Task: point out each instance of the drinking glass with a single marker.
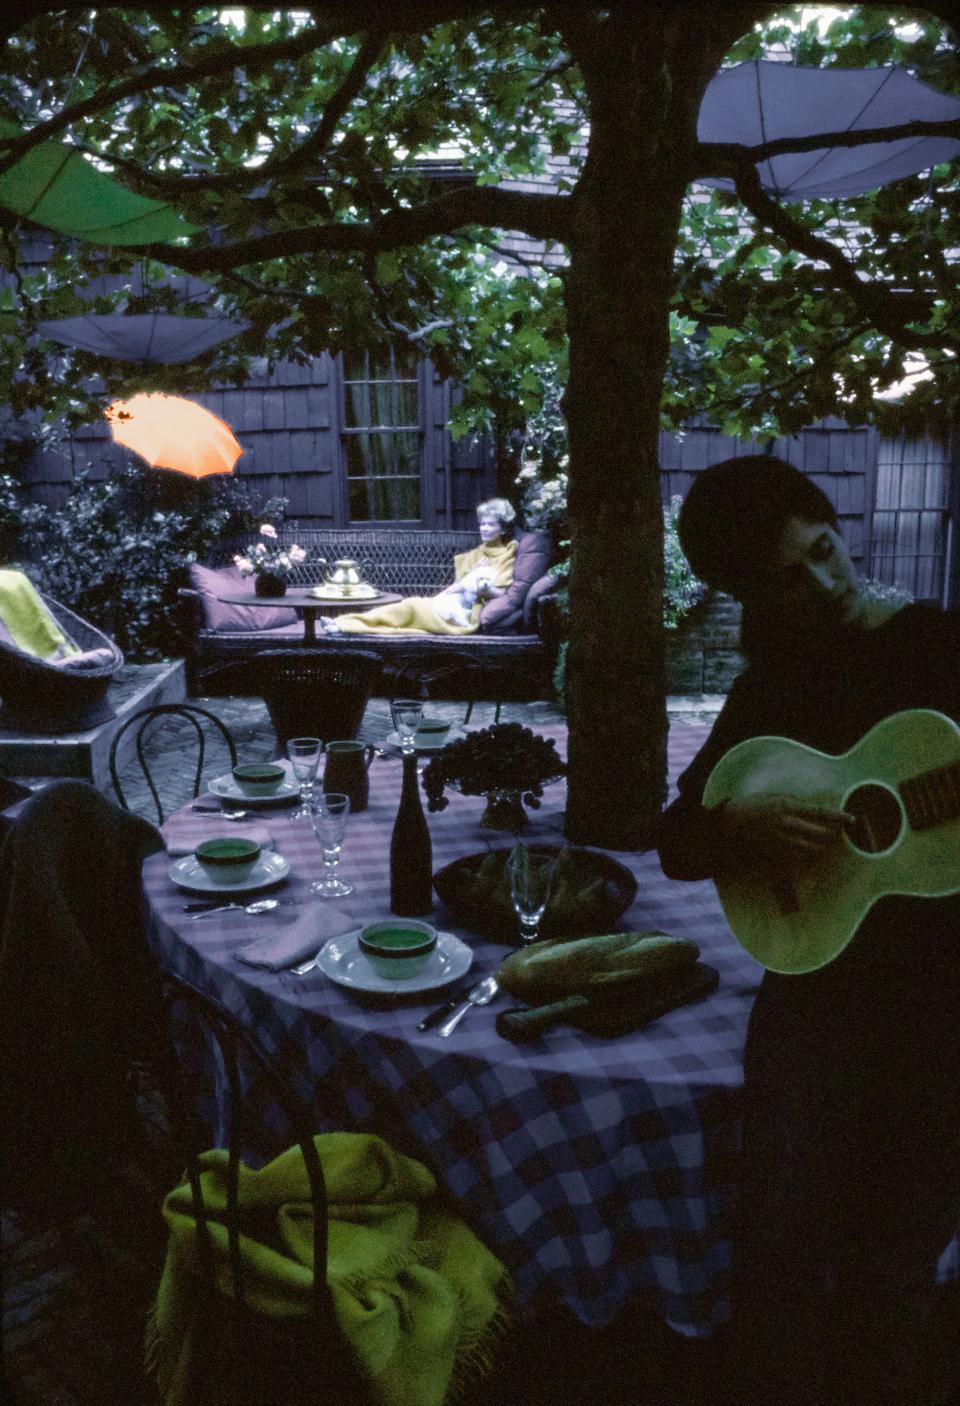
(531, 878)
(329, 813)
(407, 713)
(304, 754)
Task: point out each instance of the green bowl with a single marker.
(258, 778)
(399, 948)
(227, 859)
(432, 727)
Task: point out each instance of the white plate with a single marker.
(428, 742)
(227, 789)
(270, 868)
(342, 961)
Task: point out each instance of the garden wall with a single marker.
(702, 652)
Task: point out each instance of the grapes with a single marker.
(504, 757)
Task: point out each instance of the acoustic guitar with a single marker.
(901, 785)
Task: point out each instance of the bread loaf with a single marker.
(552, 970)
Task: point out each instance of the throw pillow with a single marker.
(500, 616)
(546, 585)
(226, 580)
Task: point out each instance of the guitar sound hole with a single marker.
(877, 820)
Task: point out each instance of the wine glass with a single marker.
(304, 754)
(406, 713)
(531, 879)
(329, 813)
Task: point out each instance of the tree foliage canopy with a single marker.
(357, 172)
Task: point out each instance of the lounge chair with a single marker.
(46, 696)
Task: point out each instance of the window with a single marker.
(910, 518)
(381, 436)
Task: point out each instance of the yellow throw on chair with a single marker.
(28, 621)
(420, 1300)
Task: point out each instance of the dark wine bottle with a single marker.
(411, 854)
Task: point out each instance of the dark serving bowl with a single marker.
(489, 911)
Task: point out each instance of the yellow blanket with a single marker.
(420, 1300)
(29, 623)
(419, 614)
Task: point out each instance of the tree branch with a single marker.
(872, 299)
(413, 335)
(727, 158)
(186, 72)
(543, 216)
(248, 177)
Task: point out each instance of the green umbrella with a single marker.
(56, 186)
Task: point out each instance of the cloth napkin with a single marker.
(186, 835)
(297, 940)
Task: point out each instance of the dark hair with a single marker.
(733, 517)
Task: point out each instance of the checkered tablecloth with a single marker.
(596, 1169)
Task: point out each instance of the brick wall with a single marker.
(702, 653)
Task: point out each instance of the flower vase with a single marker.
(269, 583)
(504, 811)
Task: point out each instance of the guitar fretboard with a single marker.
(933, 797)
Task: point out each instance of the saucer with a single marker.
(227, 789)
(187, 873)
(426, 743)
(363, 591)
(342, 961)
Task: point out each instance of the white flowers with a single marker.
(544, 500)
(269, 556)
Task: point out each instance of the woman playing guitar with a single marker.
(850, 1185)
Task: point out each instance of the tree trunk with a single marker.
(615, 676)
(644, 89)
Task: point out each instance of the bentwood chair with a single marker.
(245, 1357)
(199, 719)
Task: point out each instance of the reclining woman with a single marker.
(482, 574)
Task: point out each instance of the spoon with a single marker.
(481, 995)
(262, 905)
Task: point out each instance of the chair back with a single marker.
(316, 693)
(254, 1359)
(199, 718)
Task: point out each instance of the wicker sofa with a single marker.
(507, 659)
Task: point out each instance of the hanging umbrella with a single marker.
(173, 433)
(762, 101)
(56, 186)
(144, 337)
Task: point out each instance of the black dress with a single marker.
(850, 1185)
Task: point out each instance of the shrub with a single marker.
(681, 589)
(115, 551)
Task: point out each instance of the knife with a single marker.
(435, 1016)
(209, 906)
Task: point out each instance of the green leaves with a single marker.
(761, 340)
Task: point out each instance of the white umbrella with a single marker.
(142, 337)
(762, 101)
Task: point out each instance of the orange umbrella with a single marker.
(173, 433)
